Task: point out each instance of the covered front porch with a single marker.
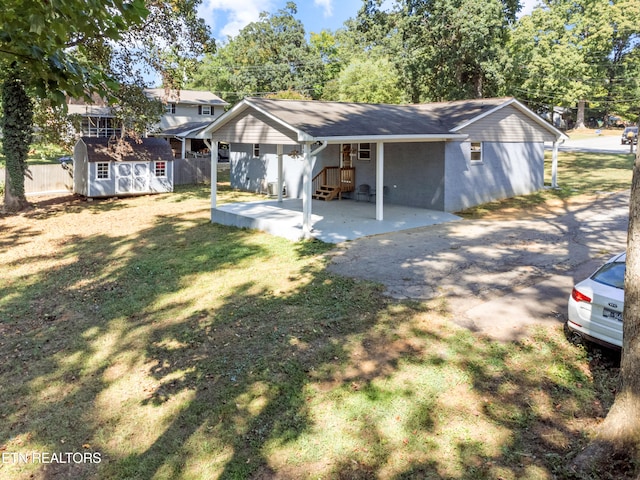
(333, 222)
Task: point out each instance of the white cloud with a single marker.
(327, 5)
(527, 7)
(228, 17)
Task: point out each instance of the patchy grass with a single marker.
(579, 174)
(172, 348)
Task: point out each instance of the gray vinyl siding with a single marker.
(186, 113)
(254, 127)
(507, 170)
(253, 174)
(413, 174)
(107, 187)
(507, 125)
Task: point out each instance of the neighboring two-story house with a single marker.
(186, 113)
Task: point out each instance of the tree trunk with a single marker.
(17, 133)
(620, 431)
(580, 114)
(12, 203)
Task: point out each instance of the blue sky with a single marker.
(228, 17)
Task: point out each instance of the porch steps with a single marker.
(327, 193)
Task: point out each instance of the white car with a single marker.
(596, 304)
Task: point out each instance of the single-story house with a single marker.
(444, 156)
(104, 167)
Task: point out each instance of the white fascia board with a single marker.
(540, 121)
(394, 138)
(241, 107)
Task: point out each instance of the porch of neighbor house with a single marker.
(332, 222)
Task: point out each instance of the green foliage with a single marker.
(579, 50)
(17, 128)
(135, 111)
(366, 81)
(268, 56)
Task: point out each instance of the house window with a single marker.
(205, 110)
(170, 108)
(160, 169)
(102, 171)
(476, 152)
(364, 151)
(256, 149)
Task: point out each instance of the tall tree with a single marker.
(444, 49)
(266, 57)
(568, 52)
(79, 47)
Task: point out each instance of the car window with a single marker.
(611, 274)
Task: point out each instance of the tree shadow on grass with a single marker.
(168, 372)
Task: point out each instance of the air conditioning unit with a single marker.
(272, 189)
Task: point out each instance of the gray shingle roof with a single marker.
(192, 97)
(335, 119)
(141, 150)
(183, 129)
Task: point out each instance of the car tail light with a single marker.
(579, 296)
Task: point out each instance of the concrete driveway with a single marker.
(500, 276)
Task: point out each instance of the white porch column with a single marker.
(379, 180)
(214, 175)
(306, 190)
(183, 152)
(554, 165)
(279, 150)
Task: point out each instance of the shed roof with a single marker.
(130, 150)
(316, 120)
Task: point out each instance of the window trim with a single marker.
(478, 149)
(256, 150)
(99, 167)
(170, 109)
(156, 167)
(364, 152)
(206, 110)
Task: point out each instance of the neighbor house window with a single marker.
(160, 169)
(170, 108)
(204, 109)
(476, 152)
(256, 149)
(102, 171)
(364, 151)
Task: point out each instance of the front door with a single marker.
(346, 156)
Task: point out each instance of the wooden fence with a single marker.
(54, 179)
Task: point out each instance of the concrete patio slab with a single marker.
(333, 222)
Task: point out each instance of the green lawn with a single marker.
(579, 174)
(41, 154)
(138, 333)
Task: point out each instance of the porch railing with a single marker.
(344, 178)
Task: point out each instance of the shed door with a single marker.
(132, 177)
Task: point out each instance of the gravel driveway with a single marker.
(498, 276)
